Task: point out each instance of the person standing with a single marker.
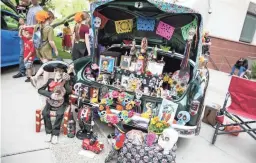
(44, 52)
(30, 21)
(81, 42)
(66, 41)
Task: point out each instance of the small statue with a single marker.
(118, 139)
(57, 90)
(144, 45)
(86, 122)
(133, 48)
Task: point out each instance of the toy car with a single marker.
(93, 145)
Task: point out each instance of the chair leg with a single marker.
(38, 120)
(215, 133)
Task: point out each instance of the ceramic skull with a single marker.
(146, 159)
(168, 139)
(133, 151)
(97, 22)
(183, 117)
(142, 152)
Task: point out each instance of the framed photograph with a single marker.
(167, 111)
(133, 66)
(124, 81)
(107, 64)
(125, 62)
(155, 68)
(140, 66)
(94, 94)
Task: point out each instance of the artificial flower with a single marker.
(159, 124)
(170, 81)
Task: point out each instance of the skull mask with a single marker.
(183, 117)
(168, 139)
(97, 22)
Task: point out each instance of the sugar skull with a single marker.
(133, 151)
(155, 160)
(129, 155)
(164, 161)
(129, 145)
(168, 139)
(146, 159)
(137, 157)
(169, 157)
(183, 117)
(124, 150)
(159, 156)
(142, 152)
(151, 154)
(97, 22)
(141, 161)
(133, 161)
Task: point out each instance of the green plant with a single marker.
(254, 69)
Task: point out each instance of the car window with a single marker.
(8, 22)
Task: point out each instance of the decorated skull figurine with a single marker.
(97, 22)
(183, 117)
(168, 139)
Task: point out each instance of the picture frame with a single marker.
(125, 62)
(155, 68)
(167, 111)
(124, 81)
(107, 64)
(94, 95)
(132, 66)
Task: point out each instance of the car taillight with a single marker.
(194, 107)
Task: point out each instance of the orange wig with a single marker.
(42, 16)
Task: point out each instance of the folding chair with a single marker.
(243, 104)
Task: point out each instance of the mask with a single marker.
(97, 22)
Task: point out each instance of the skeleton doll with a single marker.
(168, 139)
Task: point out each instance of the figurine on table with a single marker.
(118, 141)
(57, 91)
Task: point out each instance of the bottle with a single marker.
(71, 126)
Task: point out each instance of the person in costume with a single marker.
(81, 41)
(66, 41)
(119, 138)
(57, 91)
(44, 53)
(26, 35)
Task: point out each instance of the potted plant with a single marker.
(157, 126)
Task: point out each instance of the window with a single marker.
(249, 27)
(9, 23)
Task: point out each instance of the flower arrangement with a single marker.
(180, 90)
(158, 126)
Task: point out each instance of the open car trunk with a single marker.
(186, 118)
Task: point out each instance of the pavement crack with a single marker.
(23, 152)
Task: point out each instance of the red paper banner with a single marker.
(103, 18)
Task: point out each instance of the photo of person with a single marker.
(124, 81)
(107, 64)
(125, 62)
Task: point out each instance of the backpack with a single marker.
(38, 38)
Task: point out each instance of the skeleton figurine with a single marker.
(168, 139)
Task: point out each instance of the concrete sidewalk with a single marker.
(21, 144)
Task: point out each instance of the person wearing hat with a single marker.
(44, 53)
(119, 138)
(26, 35)
(57, 91)
(81, 40)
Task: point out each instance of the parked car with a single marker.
(10, 39)
(189, 105)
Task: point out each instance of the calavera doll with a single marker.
(183, 117)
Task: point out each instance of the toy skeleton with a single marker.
(56, 90)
